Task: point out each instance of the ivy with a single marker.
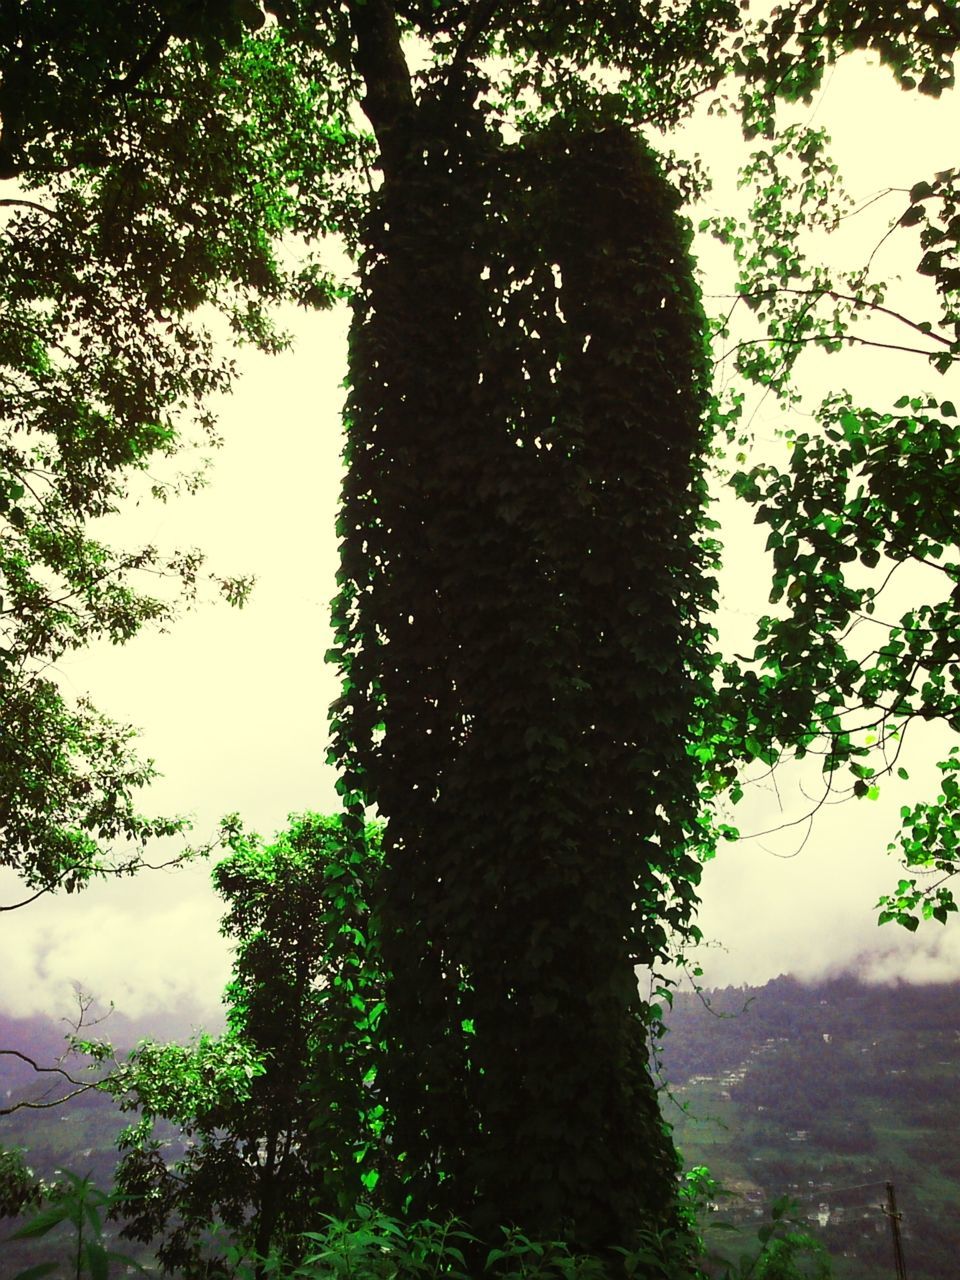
(518, 625)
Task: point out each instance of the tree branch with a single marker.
(482, 12)
(47, 1106)
(823, 338)
(58, 1071)
(127, 868)
(29, 204)
(82, 1086)
(843, 297)
(389, 103)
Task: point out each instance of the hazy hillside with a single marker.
(827, 1092)
(824, 1091)
(79, 1135)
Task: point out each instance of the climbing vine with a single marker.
(518, 632)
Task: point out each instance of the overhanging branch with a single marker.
(28, 204)
(842, 297)
(824, 340)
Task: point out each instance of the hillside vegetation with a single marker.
(826, 1092)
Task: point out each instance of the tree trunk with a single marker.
(526, 395)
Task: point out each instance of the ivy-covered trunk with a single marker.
(516, 604)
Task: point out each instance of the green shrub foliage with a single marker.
(280, 1114)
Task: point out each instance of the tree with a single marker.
(154, 181)
(280, 1113)
(523, 581)
(523, 617)
(495, 625)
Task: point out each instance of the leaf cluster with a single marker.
(868, 494)
(159, 156)
(281, 1113)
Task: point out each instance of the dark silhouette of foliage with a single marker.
(154, 156)
(523, 441)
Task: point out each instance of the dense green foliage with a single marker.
(513, 576)
(280, 1113)
(155, 178)
(532, 697)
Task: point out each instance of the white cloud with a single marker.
(149, 946)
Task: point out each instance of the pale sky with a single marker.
(232, 705)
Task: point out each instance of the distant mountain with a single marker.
(826, 1092)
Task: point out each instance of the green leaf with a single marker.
(43, 1222)
(754, 747)
(93, 1216)
(35, 1272)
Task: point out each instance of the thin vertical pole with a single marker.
(891, 1211)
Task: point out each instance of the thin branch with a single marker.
(134, 561)
(795, 822)
(59, 1071)
(483, 11)
(28, 204)
(842, 297)
(82, 1086)
(46, 1106)
(880, 195)
(14, 906)
(876, 248)
(823, 338)
(123, 869)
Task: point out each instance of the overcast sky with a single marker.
(232, 705)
